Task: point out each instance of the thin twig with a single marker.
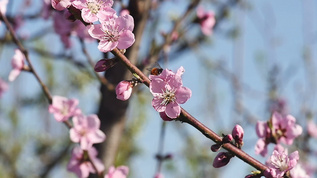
(186, 117)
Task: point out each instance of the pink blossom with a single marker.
(206, 20)
(86, 131)
(124, 90)
(280, 162)
(159, 175)
(168, 91)
(119, 172)
(285, 128)
(3, 87)
(63, 108)
(61, 4)
(115, 32)
(312, 128)
(299, 172)
(17, 63)
(3, 7)
(222, 159)
(94, 10)
(80, 162)
(64, 28)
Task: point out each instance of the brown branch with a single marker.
(186, 117)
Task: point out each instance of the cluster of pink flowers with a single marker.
(113, 31)
(168, 91)
(279, 129)
(86, 132)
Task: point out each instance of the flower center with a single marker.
(281, 162)
(94, 6)
(112, 33)
(168, 96)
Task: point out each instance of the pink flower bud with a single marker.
(237, 134)
(221, 159)
(105, 64)
(124, 90)
(215, 147)
(227, 139)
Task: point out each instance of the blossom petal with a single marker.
(126, 40)
(95, 31)
(182, 95)
(156, 103)
(106, 46)
(173, 110)
(157, 85)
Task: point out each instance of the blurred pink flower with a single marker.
(312, 128)
(206, 20)
(124, 12)
(299, 172)
(93, 10)
(168, 91)
(63, 108)
(3, 87)
(277, 129)
(159, 175)
(280, 162)
(119, 172)
(86, 131)
(115, 32)
(3, 7)
(80, 162)
(124, 90)
(17, 63)
(61, 4)
(285, 129)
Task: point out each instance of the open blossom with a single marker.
(86, 131)
(93, 10)
(280, 162)
(61, 4)
(63, 108)
(3, 86)
(168, 91)
(119, 172)
(80, 162)
(114, 32)
(206, 20)
(285, 128)
(279, 129)
(124, 90)
(17, 64)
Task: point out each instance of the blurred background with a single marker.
(260, 58)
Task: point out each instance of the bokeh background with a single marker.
(260, 58)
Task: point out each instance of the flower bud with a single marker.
(221, 159)
(237, 134)
(105, 64)
(227, 139)
(215, 147)
(124, 90)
